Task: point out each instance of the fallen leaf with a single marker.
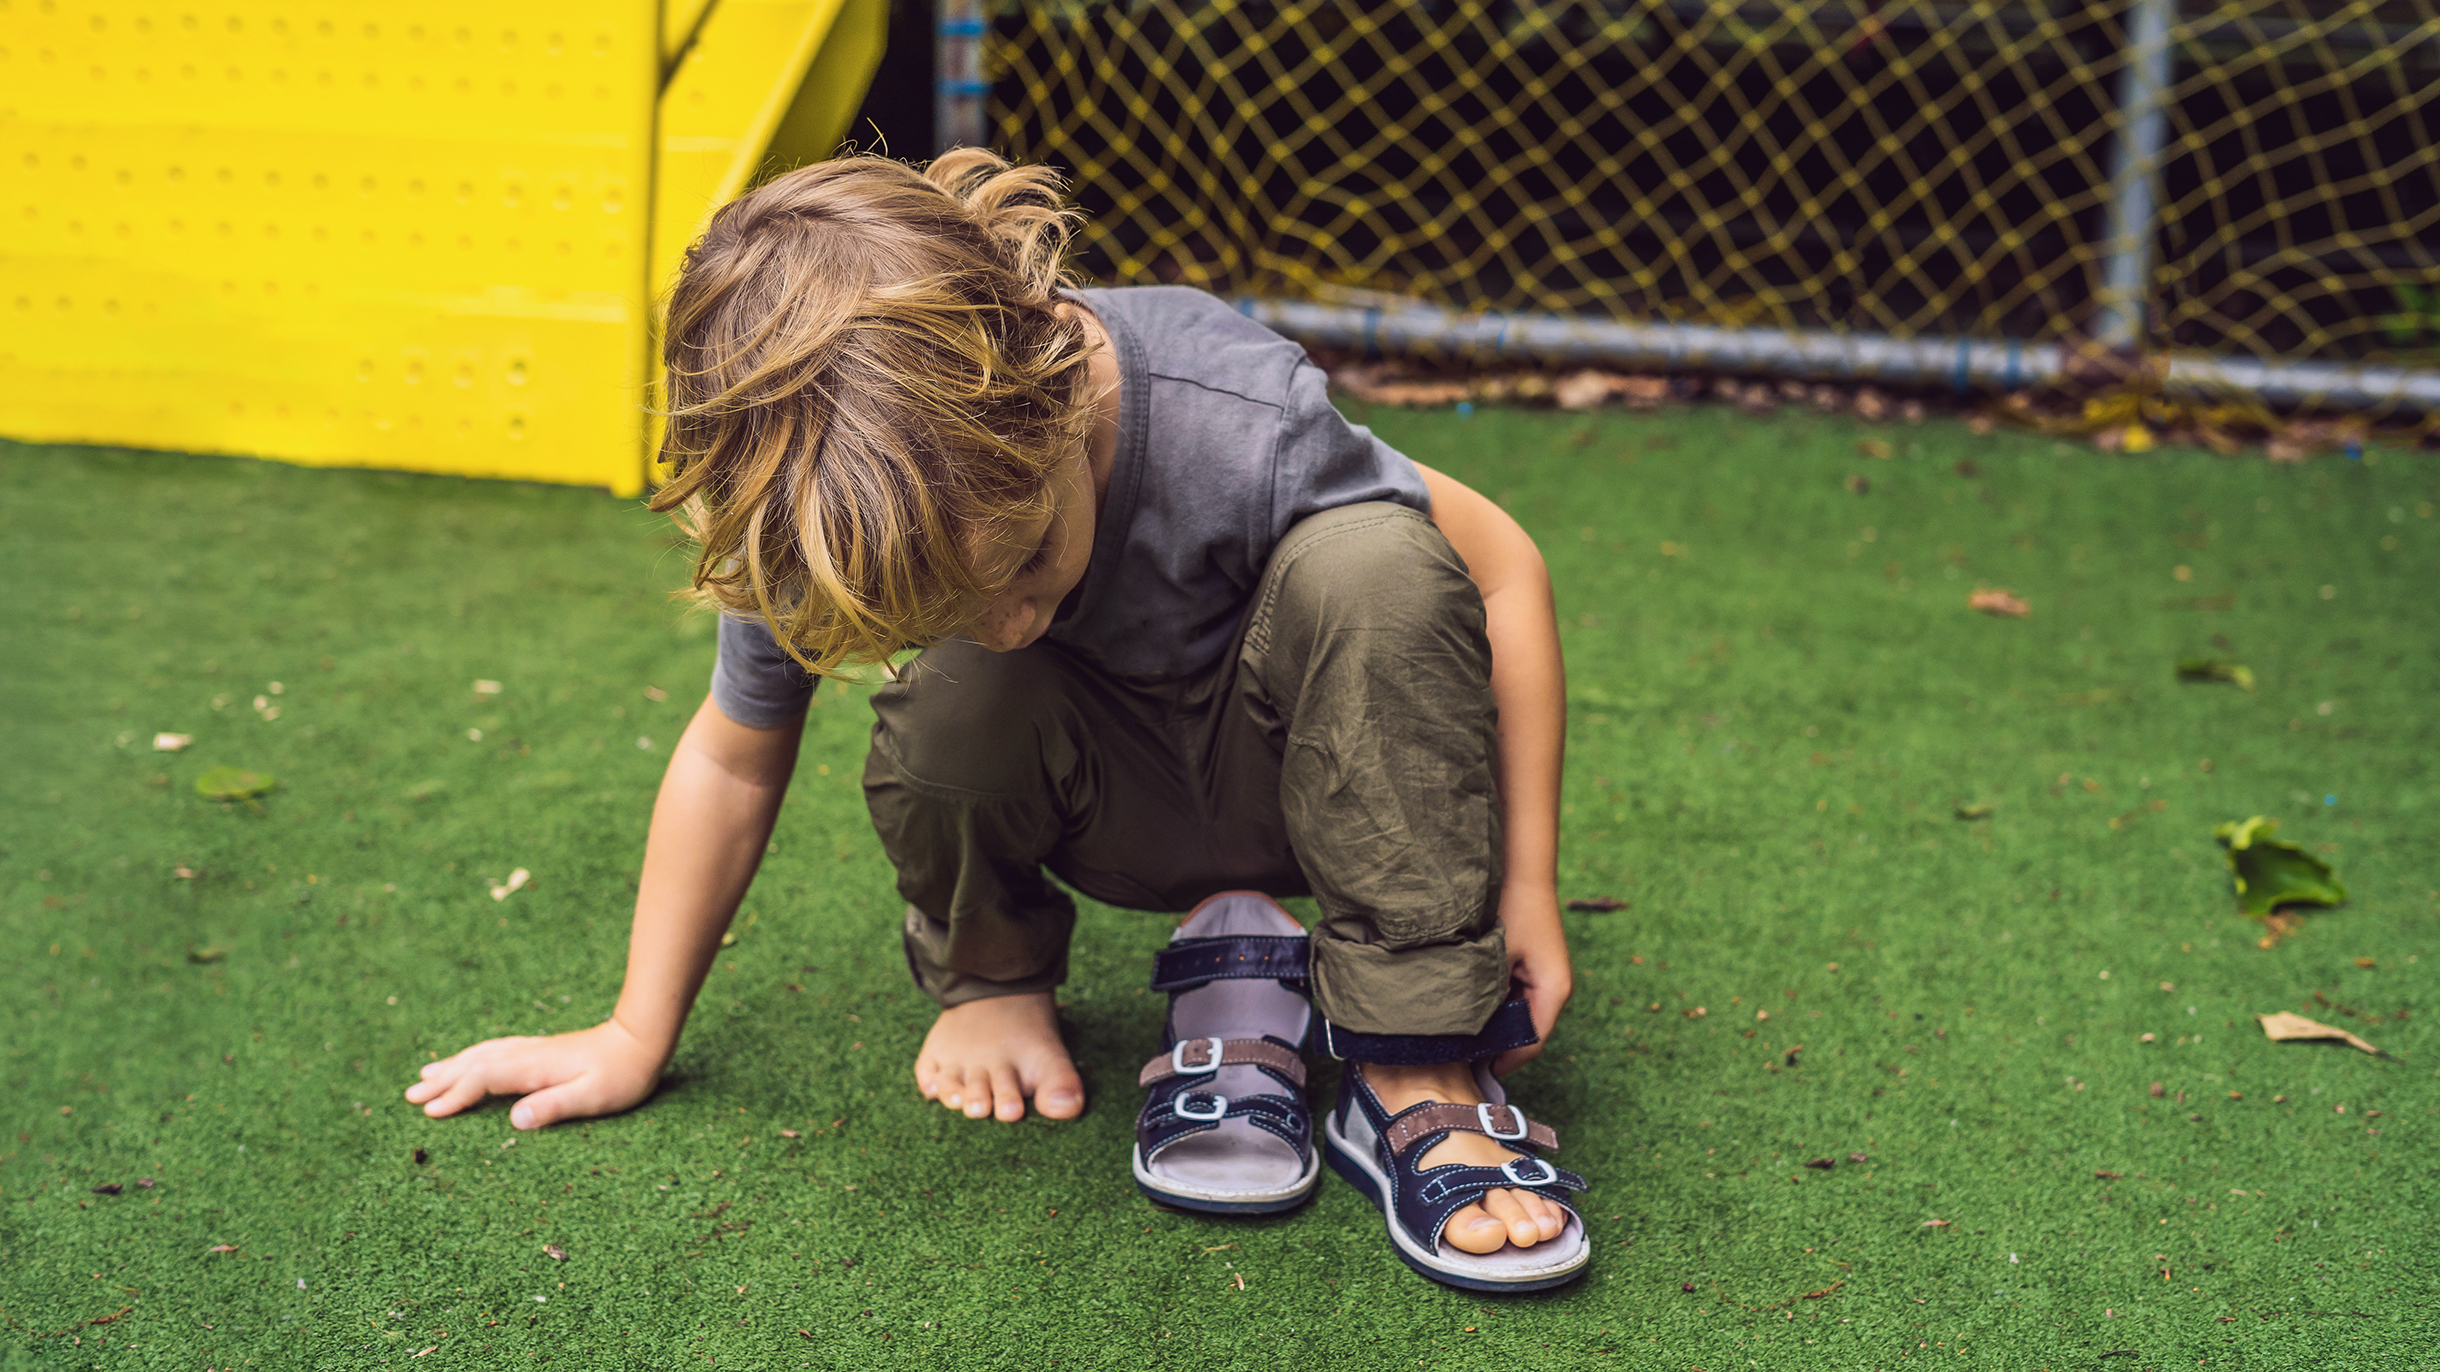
(556, 1253)
(1935, 1224)
(1644, 392)
(516, 881)
(1586, 390)
(1998, 602)
(203, 955)
(1980, 809)
(2158, 1090)
(146, 1183)
(1825, 1164)
(1858, 485)
(221, 1248)
(1859, 1157)
(487, 688)
(2109, 1176)
(2236, 674)
(790, 1134)
(170, 743)
(2283, 1026)
(109, 1188)
(2272, 872)
(1600, 905)
(232, 783)
(1874, 448)
(184, 873)
(2366, 963)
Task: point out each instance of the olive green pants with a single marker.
(1344, 749)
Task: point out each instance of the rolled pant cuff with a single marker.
(949, 987)
(1510, 1026)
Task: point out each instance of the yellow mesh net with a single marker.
(1900, 166)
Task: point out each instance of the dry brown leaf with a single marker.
(1586, 390)
(1998, 603)
(1644, 392)
(1876, 449)
(555, 1252)
(1935, 1224)
(2285, 1025)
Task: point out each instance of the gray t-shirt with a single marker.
(1226, 438)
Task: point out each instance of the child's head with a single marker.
(869, 385)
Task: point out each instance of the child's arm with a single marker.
(717, 803)
(1529, 684)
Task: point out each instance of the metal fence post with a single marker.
(2143, 88)
(958, 121)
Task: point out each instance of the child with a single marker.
(1186, 632)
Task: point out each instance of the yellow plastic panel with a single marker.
(411, 239)
(833, 89)
(721, 107)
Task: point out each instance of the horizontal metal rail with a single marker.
(1960, 362)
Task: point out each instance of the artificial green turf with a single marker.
(1779, 696)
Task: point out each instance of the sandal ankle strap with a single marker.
(1503, 1122)
(1194, 1058)
(1189, 963)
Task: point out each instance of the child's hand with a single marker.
(596, 1071)
(1537, 965)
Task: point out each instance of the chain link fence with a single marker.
(1902, 168)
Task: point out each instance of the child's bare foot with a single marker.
(986, 1056)
(1505, 1215)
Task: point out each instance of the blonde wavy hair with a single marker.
(868, 384)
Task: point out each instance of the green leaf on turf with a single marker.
(1980, 809)
(2272, 872)
(203, 955)
(232, 783)
(2236, 674)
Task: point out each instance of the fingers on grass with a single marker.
(552, 1105)
(465, 1091)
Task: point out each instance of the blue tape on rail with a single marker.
(962, 28)
(954, 86)
(1960, 381)
(2013, 374)
(1372, 322)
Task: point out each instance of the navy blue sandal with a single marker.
(1377, 1151)
(1225, 1128)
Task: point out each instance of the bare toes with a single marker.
(1008, 1098)
(1471, 1231)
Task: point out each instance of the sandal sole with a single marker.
(1358, 1173)
(1273, 1204)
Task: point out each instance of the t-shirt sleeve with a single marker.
(754, 681)
(1326, 462)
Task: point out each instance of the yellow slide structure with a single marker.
(427, 238)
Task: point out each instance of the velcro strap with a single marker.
(1440, 1117)
(1192, 962)
(1233, 1053)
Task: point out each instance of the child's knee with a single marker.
(965, 718)
(1379, 571)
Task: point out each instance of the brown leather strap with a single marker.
(1233, 1053)
(1440, 1116)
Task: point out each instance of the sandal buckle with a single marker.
(1482, 1114)
(1219, 1107)
(1177, 1058)
(1550, 1174)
